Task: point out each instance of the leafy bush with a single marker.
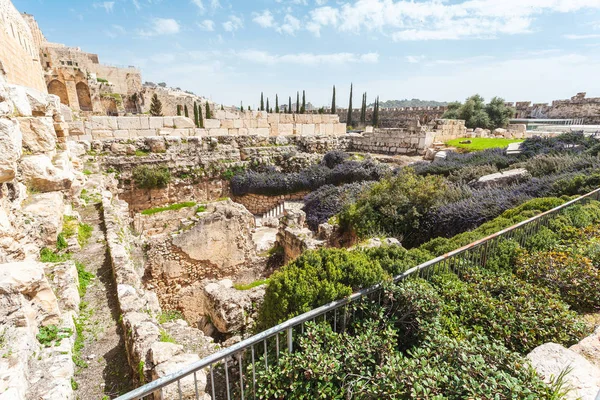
(395, 259)
(456, 161)
(571, 275)
(274, 183)
(151, 177)
(395, 206)
(84, 233)
(547, 164)
(49, 256)
(334, 158)
(328, 200)
(52, 335)
(574, 142)
(470, 173)
(520, 315)
(85, 278)
(316, 278)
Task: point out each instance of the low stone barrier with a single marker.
(260, 204)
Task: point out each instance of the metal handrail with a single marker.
(477, 251)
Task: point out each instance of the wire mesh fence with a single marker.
(232, 372)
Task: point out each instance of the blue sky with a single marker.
(231, 50)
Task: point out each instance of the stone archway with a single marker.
(83, 95)
(59, 89)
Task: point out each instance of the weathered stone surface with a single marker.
(221, 237)
(26, 298)
(161, 352)
(503, 178)
(38, 134)
(39, 173)
(590, 347)
(46, 210)
(10, 148)
(188, 389)
(183, 122)
(550, 359)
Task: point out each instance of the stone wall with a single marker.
(250, 123)
(19, 55)
(171, 98)
(260, 204)
(578, 106)
(149, 358)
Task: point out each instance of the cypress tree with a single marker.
(349, 118)
(155, 106)
(297, 102)
(289, 110)
(267, 104)
(363, 109)
(185, 111)
(200, 119)
(376, 112)
(333, 106)
(277, 104)
(178, 110)
(249, 109)
(196, 115)
(208, 114)
(262, 102)
(303, 109)
(222, 108)
(241, 106)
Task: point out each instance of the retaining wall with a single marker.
(260, 204)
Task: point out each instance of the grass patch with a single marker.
(49, 256)
(52, 335)
(165, 337)
(172, 207)
(141, 153)
(70, 224)
(201, 209)
(80, 323)
(482, 143)
(85, 278)
(168, 316)
(61, 242)
(84, 233)
(87, 172)
(250, 285)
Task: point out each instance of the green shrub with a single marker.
(84, 233)
(166, 337)
(520, 315)
(61, 242)
(151, 178)
(395, 259)
(316, 278)
(504, 255)
(394, 206)
(70, 225)
(49, 256)
(571, 275)
(168, 316)
(470, 173)
(52, 335)
(85, 278)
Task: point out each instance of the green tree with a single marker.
(475, 113)
(185, 111)
(196, 121)
(452, 110)
(249, 109)
(375, 121)
(289, 110)
(200, 119)
(363, 109)
(297, 102)
(267, 104)
(155, 106)
(303, 109)
(222, 108)
(262, 102)
(208, 113)
(178, 110)
(349, 117)
(499, 113)
(333, 106)
(277, 104)
(241, 106)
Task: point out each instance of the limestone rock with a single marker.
(156, 145)
(122, 149)
(161, 352)
(26, 298)
(6, 105)
(590, 348)
(10, 148)
(46, 210)
(550, 359)
(502, 178)
(221, 237)
(18, 96)
(188, 385)
(38, 134)
(39, 173)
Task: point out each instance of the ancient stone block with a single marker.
(212, 124)
(286, 118)
(183, 122)
(327, 129)
(218, 132)
(263, 123)
(156, 122)
(339, 129)
(286, 129)
(227, 124)
(102, 134)
(10, 148)
(230, 115)
(238, 123)
(200, 132)
(220, 114)
(38, 134)
(233, 131)
(243, 131)
(128, 123)
(144, 122)
(168, 122)
(273, 118)
(308, 129)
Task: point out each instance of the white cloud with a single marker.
(199, 4)
(161, 26)
(309, 59)
(206, 25)
(163, 58)
(320, 2)
(440, 20)
(290, 25)
(107, 5)
(115, 31)
(415, 59)
(264, 19)
(137, 4)
(583, 37)
(233, 24)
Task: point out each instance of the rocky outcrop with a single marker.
(10, 148)
(42, 175)
(294, 237)
(502, 178)
(38, 134)
(29, 303)
(583, 378)
(218, 305)
(222, 236)
(149, 356)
